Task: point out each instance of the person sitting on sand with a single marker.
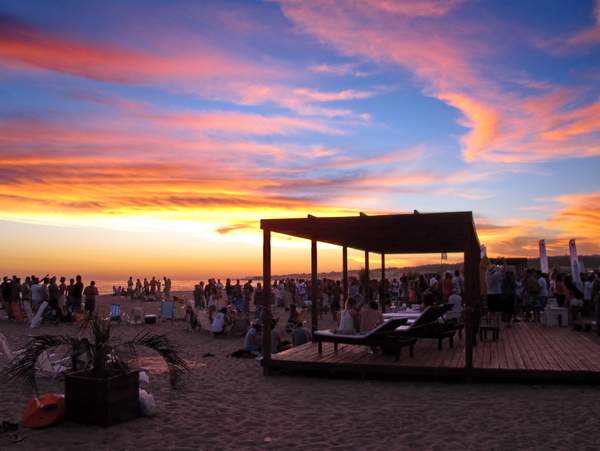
(276, 343)
(222, 323)
(292, 319)
(300, 335)
(241, 323)
(252, 341)
(369, 318)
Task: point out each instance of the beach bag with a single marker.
(147, 404)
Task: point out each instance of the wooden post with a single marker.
(368, 287)
(313, 272)
(345, 274)
(472, 290)
(267, 314)
(382, 301)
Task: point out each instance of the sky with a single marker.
(150, 137)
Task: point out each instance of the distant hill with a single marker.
(591, 262)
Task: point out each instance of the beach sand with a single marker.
(232, 406)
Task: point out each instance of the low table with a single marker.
(483, 330)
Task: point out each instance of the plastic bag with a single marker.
(147, 404)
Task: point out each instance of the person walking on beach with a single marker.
(153, 286)
(146, 287)
(90, 294)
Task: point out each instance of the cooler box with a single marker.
(150, 319)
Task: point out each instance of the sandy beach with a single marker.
(232, 406)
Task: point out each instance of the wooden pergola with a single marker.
(387, 234)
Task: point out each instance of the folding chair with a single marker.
(203, 320)
(137, 315)
(46, 365)
(7, 351)
(115, 312)
(167, 310)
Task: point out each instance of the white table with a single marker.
(556, 316)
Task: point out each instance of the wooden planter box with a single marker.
(102, 402)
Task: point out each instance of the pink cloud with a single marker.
(549, 122)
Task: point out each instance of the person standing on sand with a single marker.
(130, 288)
(77, 293)
(167, 288)
(153, 286)
(69, 294)
(90, 294)
(62, 295)
(247, 294)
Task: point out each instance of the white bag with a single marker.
(147, 404)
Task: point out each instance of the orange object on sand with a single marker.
(44, 411)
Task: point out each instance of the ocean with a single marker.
(106, 286)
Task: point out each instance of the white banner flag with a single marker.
(575, 264)
(543, 257)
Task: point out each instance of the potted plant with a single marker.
(103, 389)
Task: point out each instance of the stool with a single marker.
(483, 329)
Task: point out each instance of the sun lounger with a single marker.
(427, 325)
(385, 336)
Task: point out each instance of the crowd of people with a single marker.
(58, 298)
(510, 298)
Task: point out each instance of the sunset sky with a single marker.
(150, 137)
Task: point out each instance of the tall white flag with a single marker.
(575, 264)
(543, 257)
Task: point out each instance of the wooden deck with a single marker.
(526, 351)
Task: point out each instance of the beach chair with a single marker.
(385, 336)
(428, 325)
(137, 315)
(18, 312)
(299, 301)
(115, 312)
(28, 312)
(167, 310)
(46, 364)
(6, 350)
(203, 320)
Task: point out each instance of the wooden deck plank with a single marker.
(527, 350)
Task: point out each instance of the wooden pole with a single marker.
(345, 274)
(368, 287)
(267, 314)
(313, 296)
(383, 285)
